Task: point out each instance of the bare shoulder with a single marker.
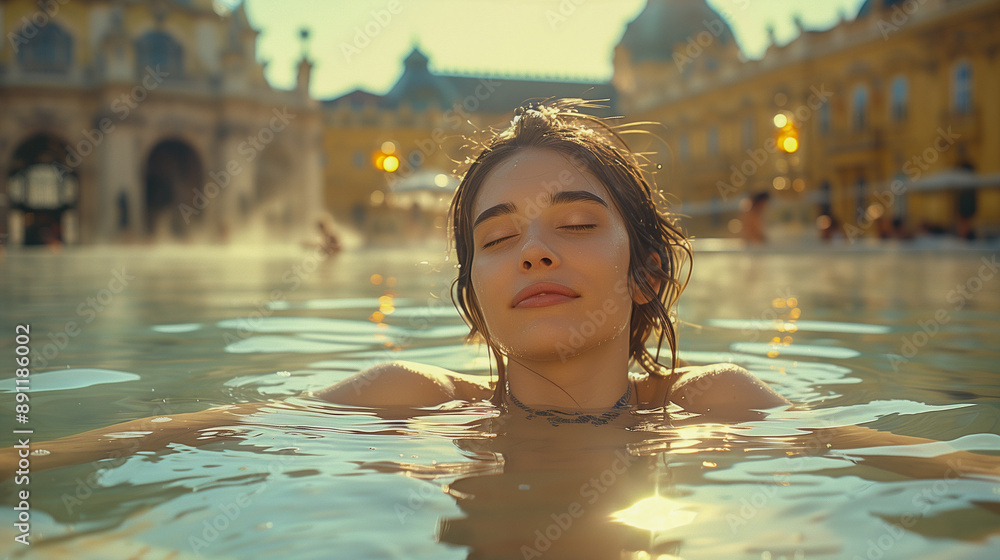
(719, 391)
(725, 391)
(409, 384)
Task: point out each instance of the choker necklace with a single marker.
(556, 417)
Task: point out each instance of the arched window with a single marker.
(159, 51)
(961, 88)
(900, 98)
(50, 51)
(712, 141)
(859, 108)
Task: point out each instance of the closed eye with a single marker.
(496, 241)
(575, 227)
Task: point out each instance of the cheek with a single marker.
(481, 276)
(617, 247)
(621, 240)
(475, 277)
(622, 258)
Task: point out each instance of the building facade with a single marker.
(399, 151)
(886, 124)
(135, 121)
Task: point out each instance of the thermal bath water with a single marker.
(897, 339)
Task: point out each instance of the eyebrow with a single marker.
(562, 197)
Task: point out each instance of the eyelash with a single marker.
(580, 227)
(495, 241)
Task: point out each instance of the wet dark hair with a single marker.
(658, 249)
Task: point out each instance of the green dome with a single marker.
(662, 24)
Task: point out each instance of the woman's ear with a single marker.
(652, 262)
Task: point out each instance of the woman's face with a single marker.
(551, 258)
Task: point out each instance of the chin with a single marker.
(551, 342)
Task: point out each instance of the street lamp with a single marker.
(385, 159)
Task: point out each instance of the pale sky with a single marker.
(547, 39)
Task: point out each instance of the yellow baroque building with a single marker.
(135, 121)
(886, 124)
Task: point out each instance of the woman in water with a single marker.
(566, 267)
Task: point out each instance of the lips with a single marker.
(543, 294)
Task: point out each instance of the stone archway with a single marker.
(42, 192)
(173, 172)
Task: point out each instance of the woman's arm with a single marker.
(127, 438)
(395, 384)
(730, 393)
(948, 464)
(404, 384)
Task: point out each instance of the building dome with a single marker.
(419, 87)
(663, 24)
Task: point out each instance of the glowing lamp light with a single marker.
(788, 133)
(384, 159)
(390, 163)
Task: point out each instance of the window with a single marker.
(416, 159)
(824, 199)
(746, 133)
(824, 118)
(684, 147)
(900, 206)
(712, 141)
(860, 197)
(51, 51)
(900, 99)
(122, 210)
(859, 108)
(961, 88)
(160, 51)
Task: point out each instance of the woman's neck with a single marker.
(590, 380)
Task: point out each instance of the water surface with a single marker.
(897, 339)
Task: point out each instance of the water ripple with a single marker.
(811, 326)
(77, 378)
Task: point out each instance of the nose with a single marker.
(536, 252)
